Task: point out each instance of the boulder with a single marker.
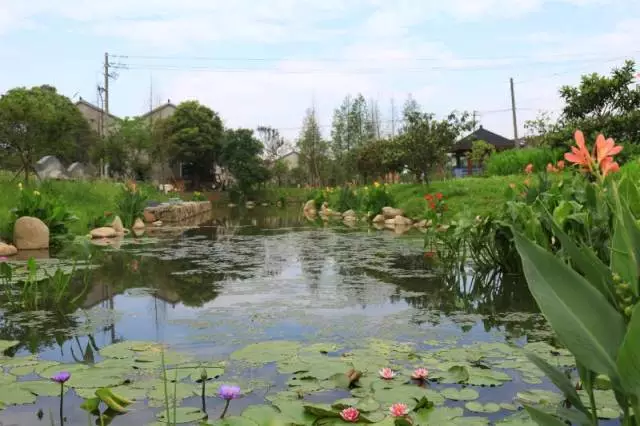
(250, 204)
(378, 219)
(390, 212)
(349, 213)
(104, 232)
(117, 225)
(149, 217)
(403, 221)
(421, 224)
(7, 250)
(138, 232)
(309, 205)
(30, 233)
(49, 167)
(157, 223)
(138, 224)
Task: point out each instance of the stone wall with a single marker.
(179, 212)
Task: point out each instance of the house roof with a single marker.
(159, 108)
(95, 108)
(289, 154)
(482, 134)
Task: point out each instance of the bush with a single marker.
(50, 211)
(198, 196)
(347, 199)
(130, 204)
(514, 161)
(375, 198)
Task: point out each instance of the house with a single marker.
(100, 122)
(461, 150)
(163, 111)
(292, 159)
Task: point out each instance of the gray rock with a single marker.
(390, 212)
(49, 167)
(30, 233)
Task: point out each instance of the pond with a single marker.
(284, 309)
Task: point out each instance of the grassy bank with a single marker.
(85, 199)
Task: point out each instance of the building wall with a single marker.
(292, 160)
(95, 119)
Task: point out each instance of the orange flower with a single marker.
(607, 165)
(439, 195)
(512, 185)
(560, 165)
(529, 169)
(527, 182)
(551, 168)
(580, 155)
(605, 148)
(428, 197)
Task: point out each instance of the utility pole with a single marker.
(393, 118)
(474, 122)
(515, 118)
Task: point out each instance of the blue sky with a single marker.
(263, 62)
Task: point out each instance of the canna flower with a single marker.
(580, 155)
(528, 169)
(3, 258)
(428, 197)
(551, 168)
(560, 165)
(605, 148)
(399, 410)
(429, 254)
(527, 182)
(61, 377)
(607, 165)
(420, 374)
(387, 373)
(350, 414)
(432, 205)
(439, 195)
(512, 185)
(229, 392)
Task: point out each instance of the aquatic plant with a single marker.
(228, 393)
(350, 414)
(61, 378)
(387, 373)
(399, 410)
(130, 203)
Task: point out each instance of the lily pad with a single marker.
(477, 407)
(407, 393)
(14, 394)
(234, 421)
(266, 352)
(465, 394)
(41, 387)
(539, 397)
(7, 344)
(438, 415)
(182, 415)
(175, 391)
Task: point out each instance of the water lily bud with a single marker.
(203, 374)
(628, 310)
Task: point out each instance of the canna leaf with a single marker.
(629, 356)
(625, 246)
(561, 381)
(542, 418)
(568, 301)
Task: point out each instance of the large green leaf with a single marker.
(586, 262)
(182, 415)
(625, 250)
(560, 380)
(569, 302)
(629, 356)
(542, 418)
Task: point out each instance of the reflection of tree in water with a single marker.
(312, 256)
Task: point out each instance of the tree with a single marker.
(38, 121)
(379, 158)
(313, 149)
(280, 171)
(161, 147)
(601, 104)
(272, 141)
(538, 132)
(480, 151)
(196, 136)
(241, 157)
(126, 150)
(426, 141)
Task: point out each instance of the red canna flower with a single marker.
(551, 168)
(529, 169)
(607, 165)
(560, 165)
(432, 205)
(428, 197)
(605, 148)
(439, 195)
(580, 155)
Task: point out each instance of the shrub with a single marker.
(198, 196)
(53, 213)
(514, 161)
(375, 198)
(347, 199)
(130, 204)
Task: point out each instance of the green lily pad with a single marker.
(96, 378)
(14, 394)
(483, 377)
(294, 409)
(539, 397)
(6, 379)
(175, 391)
(266, 352)
(477, 407)
(455, 374)
(181, 415)
(41, 387)
(509, 407)
(606, 403)
(465, 394)
(407, 393)
(438, 415)
(470, 421)
(129, 349)
(52, 370)
(7, 344)
(265, 415)
(234, 421)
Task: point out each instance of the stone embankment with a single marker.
(168, 212)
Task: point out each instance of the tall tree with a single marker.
(313, 149)
(426, 141)
(272, 141)
(196, 137)
(39, 121)
(241, 157)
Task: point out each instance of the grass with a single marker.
(86, 199)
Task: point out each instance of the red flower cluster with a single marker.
(434, 199)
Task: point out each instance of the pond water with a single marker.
(282, 308)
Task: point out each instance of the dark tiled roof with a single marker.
(95, 108)
(482, 134)
(160, 108)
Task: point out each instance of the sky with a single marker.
(264, 62)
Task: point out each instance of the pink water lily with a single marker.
(387, 373)
(350, 414)
(399, 410)
(420, 374)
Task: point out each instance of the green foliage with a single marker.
(198, 196)
(241, 156)
(347, 199)
(481, 151)
(280, 172)
(130, 204)
(375, 198)
(272, 141)
(313, 150)
(125, 149)
(514, 161)
(379, 157)
(196, 138)
(52, 212)
(39, 121)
